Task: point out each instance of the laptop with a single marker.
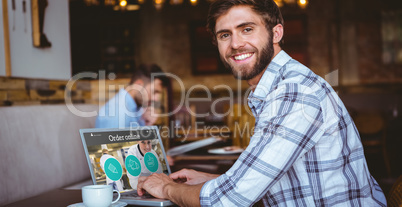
(118, 157)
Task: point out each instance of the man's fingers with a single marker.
(180, 180)
(178, 174)
(174, 176)
(142, 179)
(140, 191)
(140, 185)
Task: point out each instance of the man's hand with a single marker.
(191, 177)
(150, 116)
(162, 186)
(155, 185)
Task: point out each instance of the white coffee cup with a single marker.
(98, 195)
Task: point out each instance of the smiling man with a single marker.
(305, 150)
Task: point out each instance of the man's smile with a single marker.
(243, 56)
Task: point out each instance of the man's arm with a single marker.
(288, 126)
(192, 177)
(162, 186)
(183, 194)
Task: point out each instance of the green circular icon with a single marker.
(151, 162)
(113, 169)
(133, 165)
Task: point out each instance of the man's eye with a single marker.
(224, 36)
(247, 30)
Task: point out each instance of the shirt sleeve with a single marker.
(105, 122)
(105, 119)
(287, 126)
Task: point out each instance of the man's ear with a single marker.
(139, 82)
(278, 33)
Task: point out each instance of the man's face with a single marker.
(154, 90)
(145, 146)
(151, 91)
(244, 43)
(150, 115)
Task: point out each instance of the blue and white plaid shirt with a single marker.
(305, 150)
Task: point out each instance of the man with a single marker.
(305, 150)
(124, 110)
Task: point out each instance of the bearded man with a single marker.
(305, 150)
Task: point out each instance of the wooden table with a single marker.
(54, 198)
(63, 197)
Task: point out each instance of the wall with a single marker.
(30, 62)
(24, 91)
(2, 62)
(346, 35)
(165, 40)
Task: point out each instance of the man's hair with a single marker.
(268, 10)
(144, 72)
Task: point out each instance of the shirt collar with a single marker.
(268, 79)
(129, 101)
(139, 150)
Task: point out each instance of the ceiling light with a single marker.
(123, 3)
(302, 3)
(193, 2)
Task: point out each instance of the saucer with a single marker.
(117, 204)
(226, 150)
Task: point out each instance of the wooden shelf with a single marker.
(208, 131)
(191, 139)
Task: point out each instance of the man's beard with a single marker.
(262, 62)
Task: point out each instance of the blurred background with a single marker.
(354, 44)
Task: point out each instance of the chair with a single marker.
(241, 123)
(395, 194)
(185, 117)
(372, 128)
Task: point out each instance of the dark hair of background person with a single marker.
(145, 71)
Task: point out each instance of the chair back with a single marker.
(395, 194)
(241, 123)
(370, 122)
(373, 133)
(185, 117)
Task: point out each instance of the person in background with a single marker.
(125, 109)
(305, 150)
(150, 115)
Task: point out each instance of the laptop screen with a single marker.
(118, 157)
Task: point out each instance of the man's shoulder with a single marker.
(297, 74)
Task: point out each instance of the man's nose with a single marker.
(156, 97)
(237, 41)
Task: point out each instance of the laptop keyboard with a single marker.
(134, 194)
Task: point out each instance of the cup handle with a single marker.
(118, 197)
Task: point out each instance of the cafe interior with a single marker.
(79, 53)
